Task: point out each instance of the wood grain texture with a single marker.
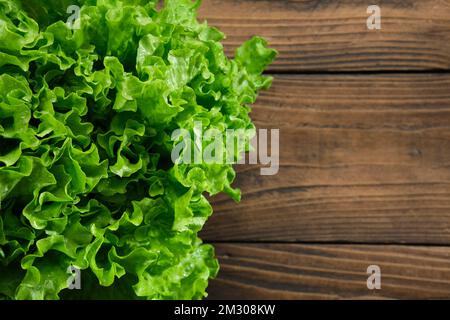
(275, 271)
(329, 35)
(363, 158)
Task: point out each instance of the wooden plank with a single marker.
(363, 158)
(281, 271)
(333, 35)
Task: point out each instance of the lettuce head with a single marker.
(90, 93)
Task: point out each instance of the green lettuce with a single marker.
(86, 117)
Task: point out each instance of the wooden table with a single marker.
(364, 119)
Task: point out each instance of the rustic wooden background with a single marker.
(364, 119)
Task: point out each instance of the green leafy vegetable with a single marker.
(86, 117)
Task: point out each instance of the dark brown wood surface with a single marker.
(293, 271)
(364, 177)
(362, 159)
(332, 34)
